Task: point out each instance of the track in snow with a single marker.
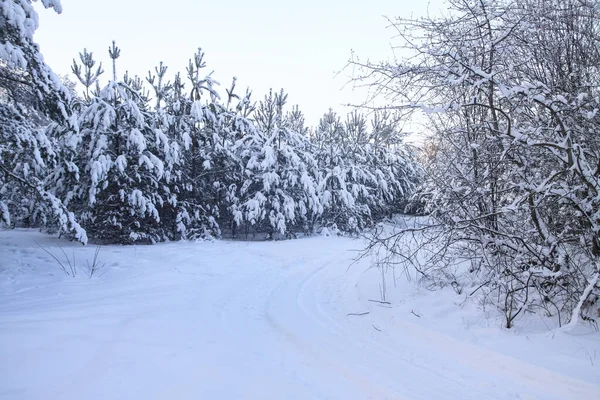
(232, 320)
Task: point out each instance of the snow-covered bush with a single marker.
(513, 178)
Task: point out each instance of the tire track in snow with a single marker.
(359, 361)
(481, 364)
(277, 318)
(243, 311)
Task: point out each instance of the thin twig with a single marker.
(415, 314)
(479, 287)
(64, 269)
(95, 266)
(71, 264)
(376, 328)
(382, 302)
(362, 313)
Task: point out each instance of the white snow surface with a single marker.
(262, 320)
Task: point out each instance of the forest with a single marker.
(143, 160)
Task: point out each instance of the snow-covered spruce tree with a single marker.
(122, 190)
(33, 104)
(279, 193)
(513, 186)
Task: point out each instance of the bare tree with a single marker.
(513, 186)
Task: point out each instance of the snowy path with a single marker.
(246, 321)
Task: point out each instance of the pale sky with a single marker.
(298, 46)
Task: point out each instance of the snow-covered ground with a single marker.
(262, 320)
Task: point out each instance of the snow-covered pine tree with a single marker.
(65, 178)
(123, 191)
(238, 135)
(308, 191)
(33, 103)
(365, 175)
(87, 73)
(194, 126)
(164, 122)
(172, 119)
(393, 163)
(279, 191)
(341, 181)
